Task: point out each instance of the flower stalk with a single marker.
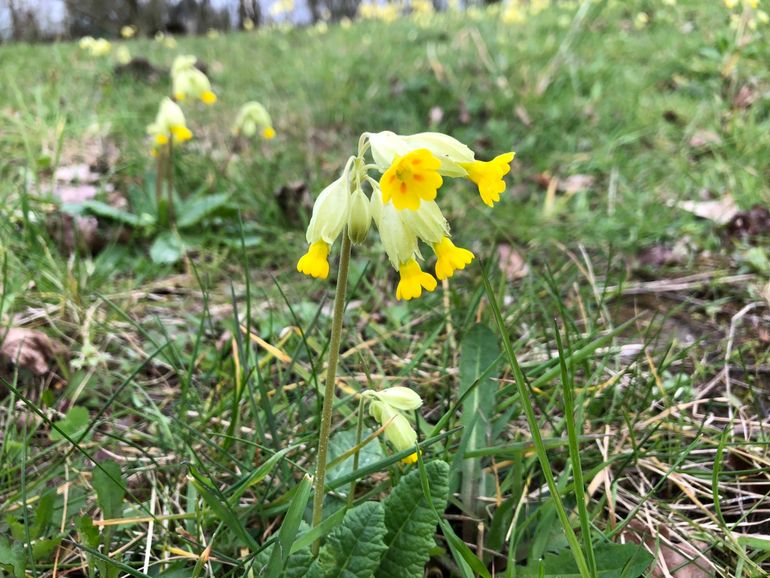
(331, 377)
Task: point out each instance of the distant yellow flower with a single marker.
(248, 24)
(194, 83)
(251, 118)
(411, 178)
(128, 31)
(169, 125)
(95, 46)
(123, 55)
(488, 176)
(450, 258)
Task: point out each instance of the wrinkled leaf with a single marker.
(195, 210)
(167, 249)
(75, 422)
(411, 522)
(612, 561)
(353, 549)
(110, 489)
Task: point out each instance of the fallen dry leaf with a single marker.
(521, 114)
(702, 139)
(30, 349)
(512, 264)
(660, 255)
(752, 223)
(746, 96)
(576, 183)
(720, 211)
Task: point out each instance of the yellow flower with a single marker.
(413, 281)
(410, 179)
(410, 459)
(251, 117)
(330, 215)
(169, 124)
(128, 31)
(192, 82)
(123, 55)
(488, 176)
(315, 262)
(450, 258)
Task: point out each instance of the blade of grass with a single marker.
(537, 438)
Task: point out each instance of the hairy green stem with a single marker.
(359, 433)
(170, 181)
(331, 376)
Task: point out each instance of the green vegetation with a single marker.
(167, 424)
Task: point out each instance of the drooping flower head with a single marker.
(169, 125)
(189, 81)
(403, 204)
(253, 118)
(386, 407)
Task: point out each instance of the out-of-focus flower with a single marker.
(95, 46)
(212, 33)
(169, 126)
(123, 55)
(248, 24)
(128, 31)
(253, 118)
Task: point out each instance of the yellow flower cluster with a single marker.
(187, 80)
(401, 204)
(95, 46)
(746, 14)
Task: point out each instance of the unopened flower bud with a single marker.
(399, 397)
(360, 218)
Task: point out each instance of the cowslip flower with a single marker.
(187, 80)
(402, 205)
(128, 31)
(169, 125)
(395, 156)
(251, 118)
(386, 407)
(330, 214)
(95, 46)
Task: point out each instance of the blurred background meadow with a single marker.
(628, 256)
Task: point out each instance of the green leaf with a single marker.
(612, 561)
(110, 489)
(345, 440)
(75, 422)
(12, 558)
(256, 476)
(88, 533)
(43, 515)
(289, 528)
(196, 209)
(479, 350)
(411, 522)
(354, 548)
(218, 503)
(167, 249)
(106, 211)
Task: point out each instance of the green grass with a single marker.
(156, 356)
